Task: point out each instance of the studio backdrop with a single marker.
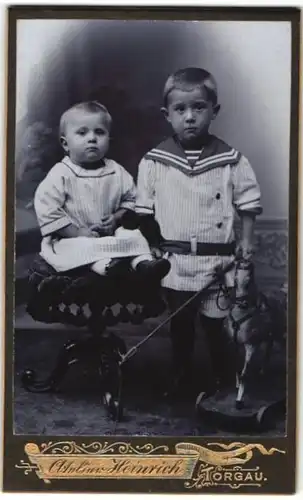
(124, 65)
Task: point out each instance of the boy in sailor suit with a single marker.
(85, 199)
(189, 189)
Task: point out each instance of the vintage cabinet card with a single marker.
(151, 250)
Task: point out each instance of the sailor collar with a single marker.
(215, 153)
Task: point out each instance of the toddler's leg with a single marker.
(113, 268)
(140, 258)
(100, 266)
(150, 268)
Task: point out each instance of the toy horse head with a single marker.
(245, 291)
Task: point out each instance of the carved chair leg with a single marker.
(102, 351)
(68, 356)
(112, 349)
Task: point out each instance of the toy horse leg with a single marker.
(249, 350)
(238, 370)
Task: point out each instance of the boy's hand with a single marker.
(244, 251)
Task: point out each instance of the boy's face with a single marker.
(86, 138)
(190, 114)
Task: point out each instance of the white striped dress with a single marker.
(196, 195)
(72, 194)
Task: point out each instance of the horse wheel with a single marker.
(263, 416)
(203, 395)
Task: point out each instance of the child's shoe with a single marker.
(153, 269)
(181, 386)
(118, 267)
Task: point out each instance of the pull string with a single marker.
(218, 275)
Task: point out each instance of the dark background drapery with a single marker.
(124, 65)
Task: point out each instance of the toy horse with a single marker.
(252, 321)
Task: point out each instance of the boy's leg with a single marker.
(182, 332)
(212, 322)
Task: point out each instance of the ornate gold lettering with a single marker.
(217, 464)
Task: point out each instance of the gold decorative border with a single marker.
(215, 465)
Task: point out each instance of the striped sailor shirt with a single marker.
(196, 194)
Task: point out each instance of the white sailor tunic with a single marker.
(70, 194)
(196, 198)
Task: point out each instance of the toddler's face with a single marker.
(190, 114)
(86, 138)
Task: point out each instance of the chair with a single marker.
(84, 299)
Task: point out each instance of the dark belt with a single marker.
(184, 248)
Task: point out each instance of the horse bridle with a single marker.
(242, 301)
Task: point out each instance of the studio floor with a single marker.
(76, 408)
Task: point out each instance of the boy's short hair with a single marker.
(89, 107)
(189, 78)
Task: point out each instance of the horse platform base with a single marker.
(258, 413)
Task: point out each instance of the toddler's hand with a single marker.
(94, 234)
(108, 225)
(97, 228)
(89, 233)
